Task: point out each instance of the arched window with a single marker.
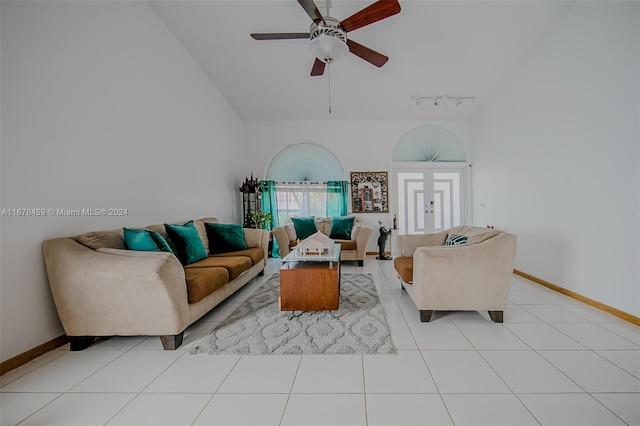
(304, 180)
(304, 162)
(429, 143)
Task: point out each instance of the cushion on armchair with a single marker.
(404, 268)
(305, 226)
(341, 228)
(455, 240)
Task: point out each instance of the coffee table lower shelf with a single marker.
(310, 286)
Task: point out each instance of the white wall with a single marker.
(101, 108)
(359, 145)
(556, 159)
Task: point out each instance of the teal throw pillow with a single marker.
(145, 240)
(455, 240)
(305, 226)
(186, 242)
(341, 228)
(225, 237)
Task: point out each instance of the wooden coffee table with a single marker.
(311, 282)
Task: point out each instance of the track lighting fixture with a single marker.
(442, 100)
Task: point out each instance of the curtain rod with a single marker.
(301, 182)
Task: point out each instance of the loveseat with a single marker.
(463, 268)
(353, 243)
(102, 288)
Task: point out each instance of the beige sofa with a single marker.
(472, 276)
(102, 289)
(352, 249)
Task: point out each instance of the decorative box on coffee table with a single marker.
(310, 282)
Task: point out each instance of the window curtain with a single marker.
(337, 196)
(270, 205)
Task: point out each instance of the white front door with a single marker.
(431, 197)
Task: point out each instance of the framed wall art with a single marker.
(369, 192)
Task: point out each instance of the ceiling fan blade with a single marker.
(371, 56)
(310, 7)
(379, 10)
(279, 36)
(318, 67)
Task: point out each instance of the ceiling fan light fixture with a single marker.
(328, 49)
(328, 41)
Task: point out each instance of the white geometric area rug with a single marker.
(258, 327)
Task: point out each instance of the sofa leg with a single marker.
(496, 316)
(425, 316)
(171, 342)
(79, 343)
(261, 273)
(360, 262)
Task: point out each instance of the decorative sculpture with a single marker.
(382, 242)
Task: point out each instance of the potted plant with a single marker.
(262, 220)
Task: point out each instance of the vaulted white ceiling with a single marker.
(457, 48)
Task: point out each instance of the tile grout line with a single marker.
(286, 404)
(587, 349)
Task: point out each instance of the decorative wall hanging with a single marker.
(369, 192)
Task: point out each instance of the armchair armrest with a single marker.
(116, 292)
(361, 236)
(257, 238)
(281, 236)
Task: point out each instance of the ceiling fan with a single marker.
(329, 36)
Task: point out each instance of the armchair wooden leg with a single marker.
(425, 316)
(171, 342)
(496, 316)
(360, 262)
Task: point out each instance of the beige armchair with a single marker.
(352, 249)
(473, 276)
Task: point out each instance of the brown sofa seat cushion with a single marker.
(404, 268)
(201, 282)
(256, 254)
(345, 244)
(236, 265)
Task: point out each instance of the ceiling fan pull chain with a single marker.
(329, 77)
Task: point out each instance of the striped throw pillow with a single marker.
(455, 240)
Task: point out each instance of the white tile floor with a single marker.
(554, 361)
